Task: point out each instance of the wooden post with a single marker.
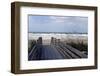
(39, 48)
(52, 40)
(58, 41)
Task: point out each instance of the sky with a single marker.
(63, 24)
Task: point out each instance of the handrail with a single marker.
(73, 52)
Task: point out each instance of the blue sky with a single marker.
(39, 23)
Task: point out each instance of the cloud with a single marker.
(58, 19)
(58, 24)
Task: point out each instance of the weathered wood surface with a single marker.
(56, 50)
(74, 53)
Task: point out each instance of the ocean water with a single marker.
(46, 37)
(55, 35)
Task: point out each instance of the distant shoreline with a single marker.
(56, 33)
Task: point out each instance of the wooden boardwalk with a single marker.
(56, 50)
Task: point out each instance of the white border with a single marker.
(25, 64)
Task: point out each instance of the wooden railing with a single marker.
(66, 50)
(35, 50)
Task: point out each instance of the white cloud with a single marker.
(58, 19)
